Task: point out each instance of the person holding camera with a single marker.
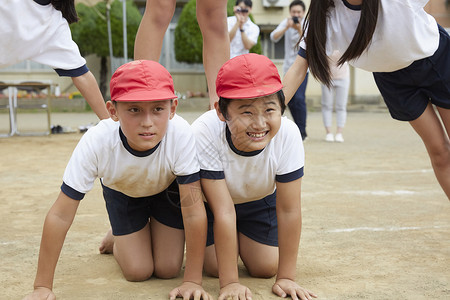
(243, 32)
(291, 29)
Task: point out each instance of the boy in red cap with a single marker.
(145, 158)
(251, 164)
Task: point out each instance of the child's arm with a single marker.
(57, 223)
(225, 238)
(289, 218)
(87, 85)
(294, 77)
(195, 226)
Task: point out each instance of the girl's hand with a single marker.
(287, 287)
(41, 293)
(189, 290)
(235, 290)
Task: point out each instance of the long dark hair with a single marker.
(67, 8)
(316, 38)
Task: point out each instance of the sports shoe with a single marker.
(339, 138)
(329, 137)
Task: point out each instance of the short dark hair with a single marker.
(297, 2)
(248, 3)
(224, 102)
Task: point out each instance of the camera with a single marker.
(295, 20)
(241, 10)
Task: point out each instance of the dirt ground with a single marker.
(376, 224)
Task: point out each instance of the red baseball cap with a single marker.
(141, 80)
(248, 76)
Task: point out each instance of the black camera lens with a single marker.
(295, 19)
(242, 10)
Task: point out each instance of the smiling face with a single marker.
(144, 123)
(252, 122)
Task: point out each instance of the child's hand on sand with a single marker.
(189, 290)
(287, 287)
(235, 290)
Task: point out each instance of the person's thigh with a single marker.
(259, 259)
(445, 117)
(133, 253)
(168, 249)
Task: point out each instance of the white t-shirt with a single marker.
(236, 45)
(250, 175)
(39, 33)
(404, 33)
(103, 152)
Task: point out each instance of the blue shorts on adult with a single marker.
(128, 214)
(408, 91)
(256, 220)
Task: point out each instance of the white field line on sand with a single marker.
(370, 193)
(392, 228)
(390, 172)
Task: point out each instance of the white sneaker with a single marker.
(329, 137)
(339, 138)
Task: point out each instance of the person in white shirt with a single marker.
(404, 47)
(39, 31)
(291, 29)
(243, 32)
(251, 166)
(145, 158)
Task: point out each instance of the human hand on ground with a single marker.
(41, 293)
(189, 290)
(287, 287)
(235, 290)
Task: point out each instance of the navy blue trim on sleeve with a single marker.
(302, 52)
(71, 193)
(188, 178)
(290, 176)
(217, 175)
(74, 72)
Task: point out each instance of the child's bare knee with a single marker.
(167, 273)
(263, 270)
(167, 270)
(137, 272)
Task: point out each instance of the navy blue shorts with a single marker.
(128, 214)
(408, 91)
(256, 220)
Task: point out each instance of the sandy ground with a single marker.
(376, 224)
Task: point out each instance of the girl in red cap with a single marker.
(251, 164)
(145, 158)
(405, 49)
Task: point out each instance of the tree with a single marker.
(188, 37)
(91, 35)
